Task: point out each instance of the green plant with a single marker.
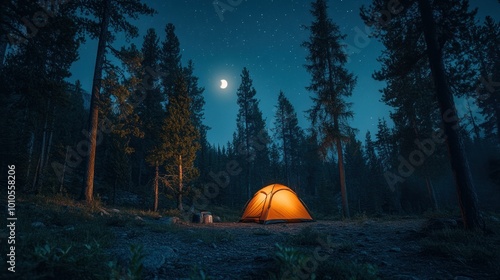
(291, 264)
(48, 253)
(72, 244)
(463, 246)
(198, 274)
(70, 261)
(134, 269)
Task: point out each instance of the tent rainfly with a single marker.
(276, 204)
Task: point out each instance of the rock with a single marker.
(170, 220)
(216, 219)
(37, 224)
(395, 249)
(156, 257)
(103, 212)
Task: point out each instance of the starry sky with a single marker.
(264, 36)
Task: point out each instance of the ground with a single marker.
(246, 250)
(60, 238)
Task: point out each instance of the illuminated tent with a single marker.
(275, 204)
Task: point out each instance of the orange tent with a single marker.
(275, 204)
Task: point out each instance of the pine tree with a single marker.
(356, 169)
(437, 34)
(459, 163)
(112, 15)
(488, 92)
(118, 107)
(197, 115)
(251, 138)
(259, 141)
(290, 135)
(34, 88)
(374, 188)
(180, 141)
(331, 83)
(151, 114)
(243, 137)
(170, 59)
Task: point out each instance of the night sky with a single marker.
(265, 37)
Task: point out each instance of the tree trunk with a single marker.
(45, 162)
(432, 193)
(475, 127)
(61, 187)
(94, 103)
(155, 208)
(343, 190)
(35, 178)
(3, 49)
(179, 195)
(37, 184)
(497, 113)
(467, 198)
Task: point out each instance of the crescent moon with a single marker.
(223, 84)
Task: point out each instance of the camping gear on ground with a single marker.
(276, 204)
(196, 218)
(207, 219)
(203, 217)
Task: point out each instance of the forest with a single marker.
(137, 141)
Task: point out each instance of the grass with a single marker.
(59, 237)
(295, 263)
(69, 241)
(466, 247)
